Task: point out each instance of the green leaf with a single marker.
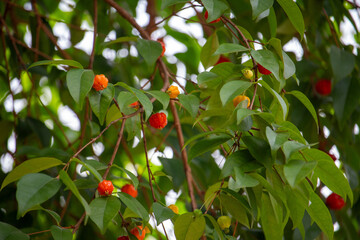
(134, 205)
(188, 226)
(162, 213)
(259, 6)
(289, 66)
(70, 63)
(162, 97)
(272, 22)
(320, 214)
(235, 208)
(121, 40)
(204, 134)
(191, 103)
(166, 3)
(328, 173)
(144, 100)
(53, 214)
(100, 101)
(291, 147)
(206, 145)
(342, 62)
(296, 202)
(242, 180)
(259, 149)
(30, 166)
(103, 210)
(273, 228)
(240, 159)
(294, 14)
(231, 89)
(9, 232)
(59, 233)
(296, 170)
(275, 140)
(90, 168)
(208, 80)
(112, 114)
(79, 83)
(70, 184)
(208, 50)
(133, 178)
(149, 50)
(293, 131)
(215, 8)
(34, 189)
(242, 113)
(216, 226)
(277, 97)
(304, 100)
(268, 60)
(230, 48)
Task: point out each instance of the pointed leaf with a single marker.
(215, 8)
(297, 170)
(149, 50)
(134, 205)
(235, 208)
(231, 89)
(9, 232)
(162, 213)
(289, 66)
(30, 166)
(268, 60)
(79, 83)
(230, 48)
(100, 101)
(294, 14)
(342, 62)
(59, 233)
(103, 210)
(259, 149)
(70, 63)
(162, 97)
(259, 6)
(207, 51)
(304, 100)
(191, 103)
(34, 189)
(188, 226)
(206, 145)
(277, 97)
(273, 228)
(70, 184)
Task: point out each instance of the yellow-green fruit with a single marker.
(248, 73)
(224, 222)
(174, 208)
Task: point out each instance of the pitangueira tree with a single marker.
(252, 124)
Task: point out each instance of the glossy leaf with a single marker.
(259, 149)
(231, 89)
(34, 189)
(277, 97)
(9, 232)
(59, 233)
(230, 48)
(191, 103)
(297, 170)
(100, 101)
(70, 63)
(79, 83)
(70, 184)
(144, 100)
(235, 208)
(188, 226)
(134, 205)
(215, 8)
(206, 145)
(268, 60)
(103, 210)
(206, 55)
(294, 14)
(149, 50)
(162, 97)
(30, 166)
(162, 213)
(259, 6)
(304, 100)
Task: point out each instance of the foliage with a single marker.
(272, 167)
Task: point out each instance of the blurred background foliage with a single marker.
(39, 118)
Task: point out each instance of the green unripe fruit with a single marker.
(248, 74)
(224, 222)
